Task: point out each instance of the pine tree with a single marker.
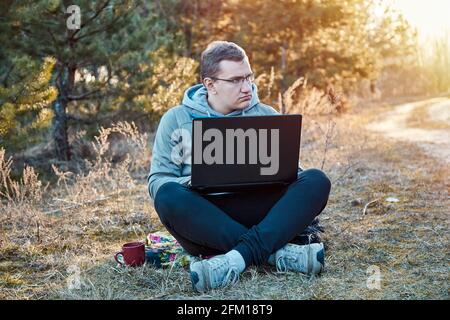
(24, 106)
(97, 60)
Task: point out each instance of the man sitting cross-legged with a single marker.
(238, 229)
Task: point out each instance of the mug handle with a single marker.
(116, 257)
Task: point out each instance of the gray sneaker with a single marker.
(308, 259)
(213, 273)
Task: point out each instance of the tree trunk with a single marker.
(62, 148)
(60, 136)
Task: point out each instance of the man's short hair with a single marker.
(217, 51)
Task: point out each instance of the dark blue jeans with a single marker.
(255, 223)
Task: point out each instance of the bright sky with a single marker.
(430, 17)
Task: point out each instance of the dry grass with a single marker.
(308, 100)
(301, 97)
(62, 246)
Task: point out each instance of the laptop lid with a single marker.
(231, 153)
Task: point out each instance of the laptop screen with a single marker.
(245, 151)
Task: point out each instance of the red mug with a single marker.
(133, 254)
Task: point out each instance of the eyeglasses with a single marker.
(238, 80)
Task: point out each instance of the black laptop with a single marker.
(244, 152)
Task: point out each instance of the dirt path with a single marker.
(426, 123)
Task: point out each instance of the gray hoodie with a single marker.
(171, 156)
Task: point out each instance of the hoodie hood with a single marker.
(195, 99)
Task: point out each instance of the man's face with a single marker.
(233, 96)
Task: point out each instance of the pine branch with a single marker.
(107, 27)
(55, 42)
(5, 78)
(82, 96)
(95, 119)
(91, 19)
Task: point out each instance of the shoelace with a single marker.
(218, 267)
(231, 277)
(282, 262)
